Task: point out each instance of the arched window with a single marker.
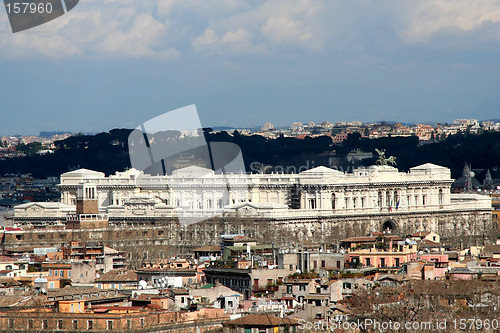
(388, 198)
(380, 199)
(440, 196)
(396, 198)
(333, 200)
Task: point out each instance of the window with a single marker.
(289, 289)
(346, 285)
(382, 262)
(11, 323)
(312, 203)
(230, 304)
(354, 202)
(333, 201)
(56, 272)
(31, 325)
(109, 325)
(72, 308)
(75, 324)
(302, 287)
(60, 325)
(323, 263)
(142, 322)
(440, 197)
(423, 199)
(182, 299)
(90, 324)
(45, 324)
(396, 262)
(315, 264)
(51, 285)
(69, 274)
(380, 200)
(346, 203)
(362, 202)
(338, 263)
(129, 324)
(368, 262)
(61, 273)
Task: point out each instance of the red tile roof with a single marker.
(260, 320)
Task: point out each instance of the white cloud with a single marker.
(167, 28)
(117, 28)
(265, 27)
(431, 16)
(139, 40)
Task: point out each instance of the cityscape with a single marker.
(274, 166)
(19, 145)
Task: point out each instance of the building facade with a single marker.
(320, 204)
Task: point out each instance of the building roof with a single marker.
(208, 248)
(429, 244)
(490, 249)
(207, 286)
(252, 247)
(394, 277)
(316, 297)
(421, 234)
(9, 282)
(83, 173)
(427, 166)
(261, 320)
(180, 291)
(117, 275)
(322, 170)
(192, 171)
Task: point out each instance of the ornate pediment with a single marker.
(34, 209)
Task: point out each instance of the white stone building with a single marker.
(380, 195)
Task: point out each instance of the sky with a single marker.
(118, 63)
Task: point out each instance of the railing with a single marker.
(86, 217)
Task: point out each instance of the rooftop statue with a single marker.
(382, 160)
